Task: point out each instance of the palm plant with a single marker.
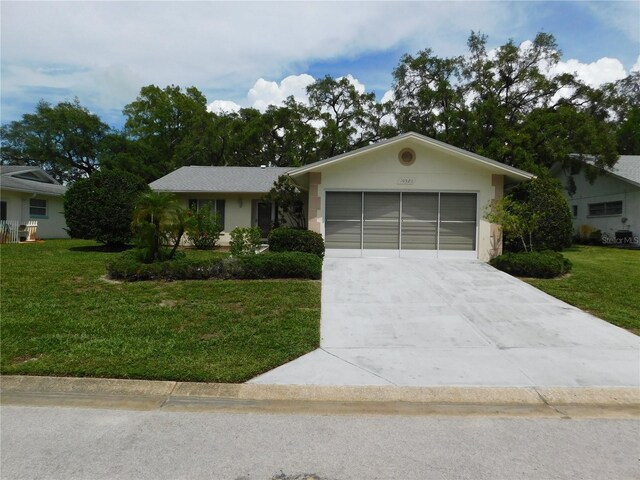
(157, 219)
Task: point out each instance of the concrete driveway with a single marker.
(423, 322)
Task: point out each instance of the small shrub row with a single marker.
(130, 267)
(546, 264)
(286, 239)
(281, 265)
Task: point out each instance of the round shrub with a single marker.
(286, 239)
(554, 227)
(545, 264)
(101, 207)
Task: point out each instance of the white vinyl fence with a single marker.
(9, 231)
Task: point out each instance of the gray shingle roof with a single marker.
(196, 179)
(9, 182)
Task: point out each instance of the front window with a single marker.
(575, 210)
(37, 208)
(605, 208)
(215, 207)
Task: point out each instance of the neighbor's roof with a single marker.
(510, 171)
(46, 185)
(197, 179)
(627, 167)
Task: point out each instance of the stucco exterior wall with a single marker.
(52, 226)
(604, 189)
(433, 170)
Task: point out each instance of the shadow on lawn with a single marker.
(102, 248)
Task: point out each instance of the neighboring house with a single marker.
(406, 196)
(29, 194)
(611, 202)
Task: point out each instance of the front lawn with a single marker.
(604, 281)
(60, 317)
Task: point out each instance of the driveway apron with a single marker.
(434, 322)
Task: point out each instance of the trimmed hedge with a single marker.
(129, 266)
(545, 264)
(284, 239)
(281, 265)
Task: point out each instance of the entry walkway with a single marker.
(420, 322)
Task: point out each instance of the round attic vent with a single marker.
(407, 156)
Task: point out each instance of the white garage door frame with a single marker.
(400, 252)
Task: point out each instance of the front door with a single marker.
(264, 218)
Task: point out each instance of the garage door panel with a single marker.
(343, 234)
(457, 236)
(381, 235)
(419, 235)
(378, 206)
(420, 206)
(458, 207)
(343, 206)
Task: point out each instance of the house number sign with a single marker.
(406, 181)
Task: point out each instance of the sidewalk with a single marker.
(607, 402)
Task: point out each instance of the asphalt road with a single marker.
(75, 443)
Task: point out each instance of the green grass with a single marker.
(60, 317)
(604, 281)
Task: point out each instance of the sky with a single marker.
(253, 54)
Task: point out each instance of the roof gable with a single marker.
(465, 155)
(29, 179)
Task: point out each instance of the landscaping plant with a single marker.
(534, 216)
(101, 207)
(159, 222)
(131, 267)
(285, 239)
(203, 227)
(546, 264)
(290, 201)
(245, 240)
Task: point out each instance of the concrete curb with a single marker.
(185, 396)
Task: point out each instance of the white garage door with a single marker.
(400, 223)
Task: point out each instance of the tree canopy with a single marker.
(505, 103)
(63, 140)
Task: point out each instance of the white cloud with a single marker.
(357, 84)
(265, 93)
(388, 96)
(594, 74)
(223, 106)
(636, 66)
(103, 52)
(219, 47)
